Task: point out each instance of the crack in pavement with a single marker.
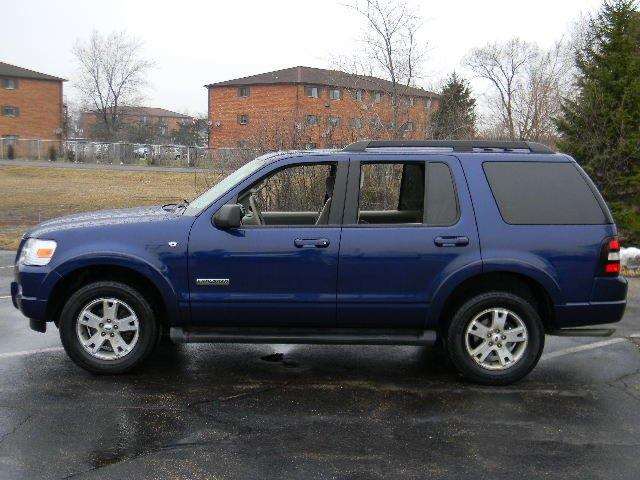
(15, 429)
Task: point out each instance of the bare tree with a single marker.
(391, 38)
(112, 73)
(527, 87)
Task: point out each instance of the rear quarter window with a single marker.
(543, 193)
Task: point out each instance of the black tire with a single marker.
(149, 331)
(464, 362)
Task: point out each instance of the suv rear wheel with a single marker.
(108, 327)
(495, 338)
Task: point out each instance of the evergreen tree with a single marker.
(600, 126)
(456, 116)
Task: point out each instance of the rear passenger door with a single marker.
(408, 224)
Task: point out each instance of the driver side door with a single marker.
(280, 267)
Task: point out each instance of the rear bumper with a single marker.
(607, 305)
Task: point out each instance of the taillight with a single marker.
(610, 258)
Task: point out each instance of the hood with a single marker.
(105, 218)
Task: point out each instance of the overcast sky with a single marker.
(199, 42)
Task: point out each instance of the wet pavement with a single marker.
(343, 412)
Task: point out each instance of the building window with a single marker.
(144, 119)
(409, 101)
(312, 92)
(428, 103)
(243, 144)
(357, 123)
(244, 91)
(335, 94)
(377, 96)
(376, 123)
(408, 127)
(163, 129)
(8, 111)
(9, 83)
(333, 121)
(358, 95)
(312, 119)
(243, 119)
(311, 146)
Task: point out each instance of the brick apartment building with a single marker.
(161, 120)
(312, 108)
(31, 105)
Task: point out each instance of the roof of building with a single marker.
(8, 70)
(149, 112)
(320, 76)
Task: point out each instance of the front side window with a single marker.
(294, 195)
(9, 111)
(312, 91)
(208, 197)
(9, 83)
(334, 94)
(243, 91)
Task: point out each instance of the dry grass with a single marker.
(632, 273)
(30, 195)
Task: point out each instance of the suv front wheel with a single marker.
(108, 327)
(495, 338)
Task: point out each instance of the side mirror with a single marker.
(229, 216)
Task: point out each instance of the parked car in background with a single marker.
(482, 246)
(142, 151)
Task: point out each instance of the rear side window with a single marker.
(442, 201)
(391, 193)
(543, 193)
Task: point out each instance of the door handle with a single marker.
(451, 241)
(311, 242)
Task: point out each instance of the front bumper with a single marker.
(30, 307)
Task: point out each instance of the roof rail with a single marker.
(455, 145)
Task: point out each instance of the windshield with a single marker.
(224, 185)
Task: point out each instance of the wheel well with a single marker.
(502, 281)
(76, 279)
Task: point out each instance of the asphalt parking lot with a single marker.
(230, 411)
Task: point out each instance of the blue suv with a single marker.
(483, 247)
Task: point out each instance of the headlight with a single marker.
(37, 252)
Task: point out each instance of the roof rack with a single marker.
(454, 145)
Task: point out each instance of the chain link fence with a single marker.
(222, 160)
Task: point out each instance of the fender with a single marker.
(451, 282)
(536, 269)
(447, 285)
(110, 259)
